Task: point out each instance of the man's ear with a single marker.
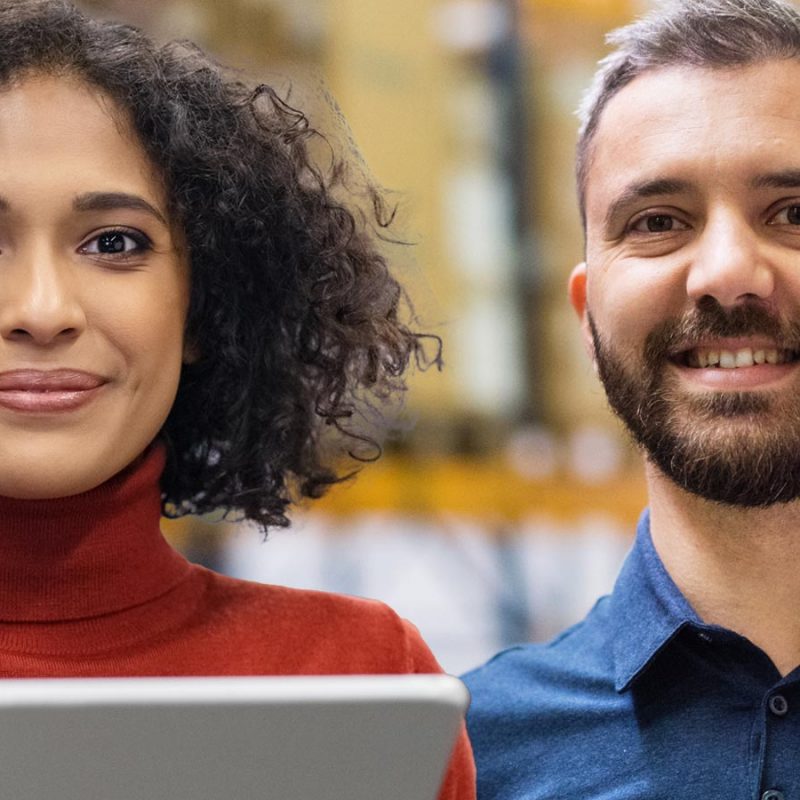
(577, 289)
(577, 296)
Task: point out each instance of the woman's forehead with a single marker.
(63, 132)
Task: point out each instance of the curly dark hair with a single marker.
(294, 314)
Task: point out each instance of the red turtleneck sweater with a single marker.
(89, 587)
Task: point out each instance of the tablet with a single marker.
(276, 738)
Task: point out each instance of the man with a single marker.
(684, 682)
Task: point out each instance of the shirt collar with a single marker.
(647, 609)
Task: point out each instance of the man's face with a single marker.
(690, 296)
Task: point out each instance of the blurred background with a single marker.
(507, 503)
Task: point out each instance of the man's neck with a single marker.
(739, 568)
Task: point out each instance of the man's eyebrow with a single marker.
(111, 201)
(784, 179)
(634, 192)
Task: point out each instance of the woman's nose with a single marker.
(38, 301)
(731, 264)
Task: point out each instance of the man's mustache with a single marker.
(710, 320)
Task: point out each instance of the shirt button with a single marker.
(779, 706)
(772, 794)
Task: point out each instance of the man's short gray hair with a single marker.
(710, 34)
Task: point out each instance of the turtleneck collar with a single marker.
(90, 554)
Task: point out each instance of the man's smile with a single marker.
(728, 358)
(736, 365)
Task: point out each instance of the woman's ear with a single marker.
(576, 288)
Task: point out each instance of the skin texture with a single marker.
(66, 304)
(732, 239)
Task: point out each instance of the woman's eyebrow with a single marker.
(111, 201)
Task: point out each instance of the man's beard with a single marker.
(736, 448)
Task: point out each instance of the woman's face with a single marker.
(94, 288)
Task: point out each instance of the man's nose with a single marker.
(731, 263)
(38, 298)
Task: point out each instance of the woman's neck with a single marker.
(88, 554)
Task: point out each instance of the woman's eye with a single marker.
(657, 223)
(787, 216)
(116, 243)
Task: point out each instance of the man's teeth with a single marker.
(731, 359)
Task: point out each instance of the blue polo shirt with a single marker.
(640, 700)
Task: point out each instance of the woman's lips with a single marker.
(48, 391)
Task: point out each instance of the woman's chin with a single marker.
(54, 469)
(46, 487)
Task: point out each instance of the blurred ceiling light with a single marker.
(471, 25)
(533, 452)
(595, 454)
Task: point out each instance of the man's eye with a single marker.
(116, 243)
(657, 223)
(787, 216)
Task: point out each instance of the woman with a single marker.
(185, 306)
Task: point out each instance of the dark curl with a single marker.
(294, 315)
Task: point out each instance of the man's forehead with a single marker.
(679, 97)
(671, 116)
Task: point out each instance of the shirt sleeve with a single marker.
(459, 780)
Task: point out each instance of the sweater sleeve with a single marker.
(459, 780)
